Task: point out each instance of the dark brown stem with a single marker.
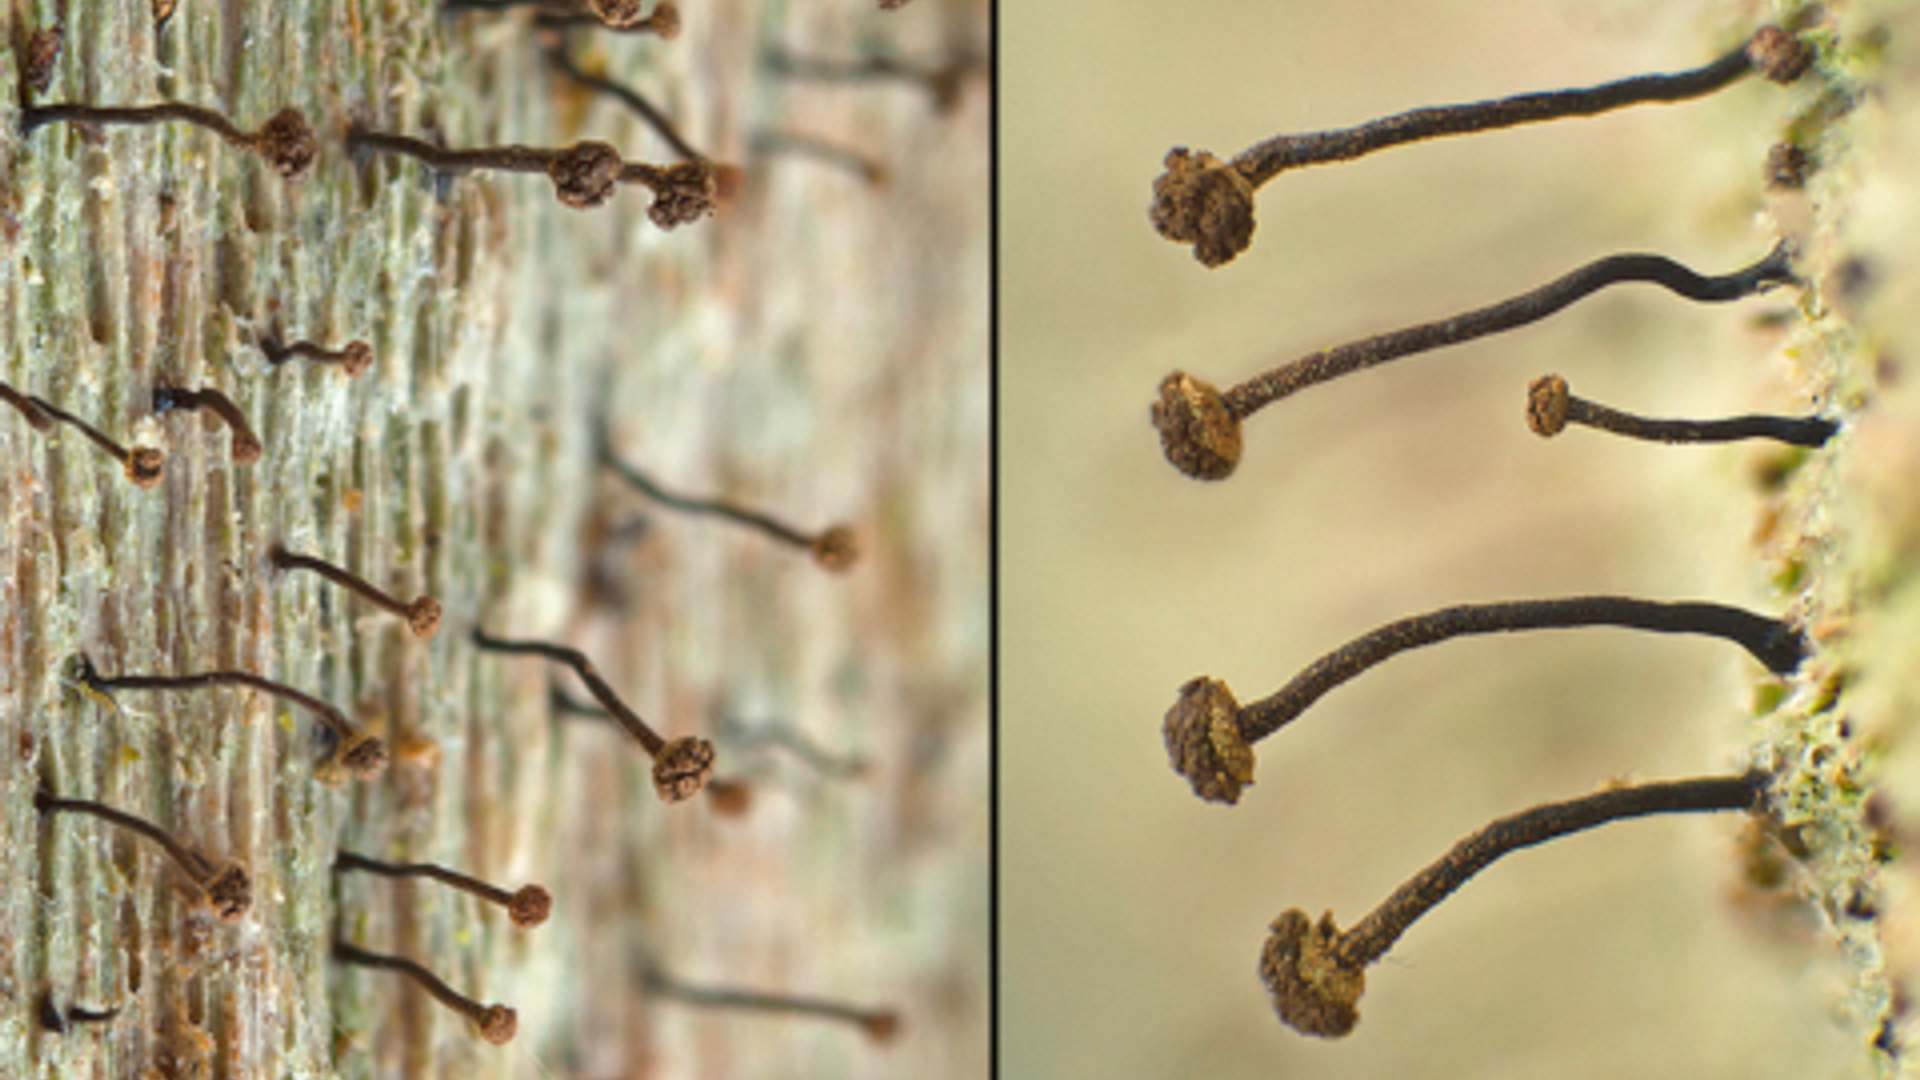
(422, 613)
(632, 99)
(53, 1019)
(1200, 425)
(943, 80)
(1209, 735)
(226, 886)
(880, 1025)
(834, 548)
(681, 766)
(285, 142)
(1209, 203)
(355, 359)
(364, 755)
(144, 465)
(527, 907)
(36, 416)
(246, 445)
(1551, 407)
(1315, 974)
(497, 1023)
(808, 146)
(584, 175)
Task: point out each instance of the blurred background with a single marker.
(1132, 913)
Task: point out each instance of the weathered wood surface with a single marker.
(818, 349)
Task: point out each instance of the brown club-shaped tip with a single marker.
(683, 194)
(231, 893)
(585, 174)
(1547, 405)
(365, 756)
(1206, 202)
(835, 549)
(498, 1024)
(731, 798)
(1197, 432)
(1778, 55)
(1314, 993)
(1204, 744)
(882, 1027)
(286, 143)
(356, 359)
(246, 448)
(146, 465)
(530, 906)
(423, 616)
(665, 21)
(682, 768)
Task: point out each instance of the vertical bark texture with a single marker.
(819, 348)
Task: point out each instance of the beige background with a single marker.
(1132, 913)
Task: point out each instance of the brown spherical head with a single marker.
(146, 465)
(584, 175)
(1314, 993)
(618, 14)
(682, 768)
(1202, 732)
(365, 756)
(1777, 55)
(231, 893)
(356, 359)
(1197, 431)
(683, 193)
(1547, 398)
(835, 549)
(286, 143)
(530, 906)
(1206, 202)
(423, 616)
(498, 1024)
(246, 448)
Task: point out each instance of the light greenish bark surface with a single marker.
(817, 349)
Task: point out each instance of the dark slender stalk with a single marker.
(1210, 736)
(528, 906)
(364, 755)
(1200, 425)
(422, 612)
(1315, 974)
(943, 80)
(356, 358)
(833, 548)
(880, 1025)
(584, 175)
(285, 142)
(1551, 407)
(681, 766)
(226, 886)
(1209, 203)
(144, 465)
(246, 446)
(798, 144)
(35, 416)
(497, 1023)
(631, 98)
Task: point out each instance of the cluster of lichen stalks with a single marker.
(1314, 971)
(585, 175)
